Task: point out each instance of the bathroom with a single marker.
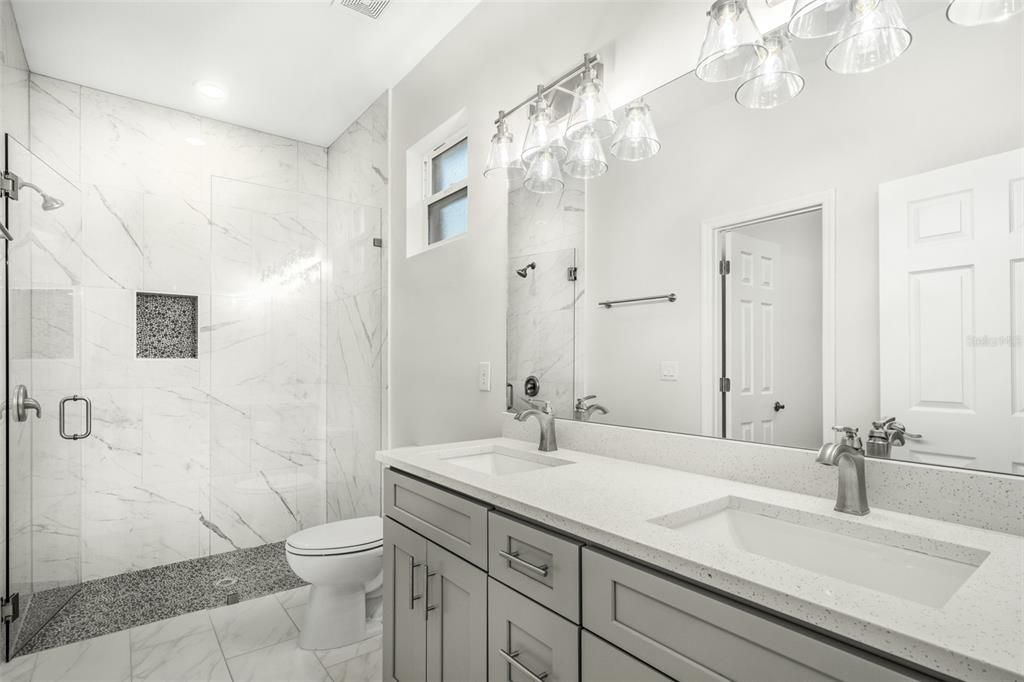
(473, 340)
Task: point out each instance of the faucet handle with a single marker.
(849, 435)
(581, 403)
(542, 405)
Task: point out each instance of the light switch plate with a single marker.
(484, 376)
(669, 370)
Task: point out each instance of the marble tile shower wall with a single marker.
(238, 447)
(544, 312)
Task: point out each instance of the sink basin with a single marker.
(499, 461)
(919, 569)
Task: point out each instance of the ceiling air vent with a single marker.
(371, 8)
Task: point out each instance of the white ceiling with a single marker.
(300, 69)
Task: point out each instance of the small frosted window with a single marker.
(448, 217)
(450, 167)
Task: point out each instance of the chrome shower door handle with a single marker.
(88, 417)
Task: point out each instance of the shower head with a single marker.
(50, 202)
(522, 272)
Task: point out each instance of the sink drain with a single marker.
(226, 582)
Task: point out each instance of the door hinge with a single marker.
(378, 242)
(724, 385)
(9, 185)
(724, 267)
(572, 273)
(9, 610)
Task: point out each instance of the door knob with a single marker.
(778, 407)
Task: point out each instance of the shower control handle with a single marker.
(23, 403)
(88, 417)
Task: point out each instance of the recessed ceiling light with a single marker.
(195, 141)
(211, 90)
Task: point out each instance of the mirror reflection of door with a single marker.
(771, 322)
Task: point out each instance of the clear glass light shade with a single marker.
(873, 35)
(586, 157)
(544, 176)
(591, 114)
(777, 80)
(543, 133)
(503, 159)
(817, 18)
(732, 45)
(637, 139)
(981, 12)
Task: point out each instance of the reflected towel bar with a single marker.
(671, 298)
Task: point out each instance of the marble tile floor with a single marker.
(108, 605)
(253, 640)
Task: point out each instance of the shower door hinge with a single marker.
(724, 385)
(378, 242)
(572, 274)
(724, 267)
(9, 608)
(9, 185)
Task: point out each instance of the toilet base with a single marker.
(335, 617)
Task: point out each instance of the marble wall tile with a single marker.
(546, 222)
(175, 435)
(252, 509)
(112, 224)
(353, 436)
(357, 162)
(237, 341)
(55, 236)
(176, 245)
(249, 155)
(56, 110)
(112, 455)
(356, 264)
(230, 431)
(312, 169)
(355, 330)
(14, 77)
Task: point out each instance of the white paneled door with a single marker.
(951, 286)
(751, 352)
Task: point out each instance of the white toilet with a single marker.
(343, 561)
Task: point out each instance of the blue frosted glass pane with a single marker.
(448, 217)
(450, 167)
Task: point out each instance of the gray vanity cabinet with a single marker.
(601, 662)
(528, 643)
(435, 611)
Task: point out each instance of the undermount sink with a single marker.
(500, 461)
(919, 569)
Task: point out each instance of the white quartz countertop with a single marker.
(977, 635)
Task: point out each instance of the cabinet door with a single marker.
(601, 662)
(456, 603)
(405, 623)
(526, 642)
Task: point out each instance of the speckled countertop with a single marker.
(977, 635)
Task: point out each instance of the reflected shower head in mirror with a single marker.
(50, 202)
(523, 271)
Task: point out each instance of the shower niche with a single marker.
(166, 326)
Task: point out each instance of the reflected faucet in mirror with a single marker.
(582, 412)
(886, 434)
(546, 418)
(847, 453)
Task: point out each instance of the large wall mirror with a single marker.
(853, 257)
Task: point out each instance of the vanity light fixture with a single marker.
(817, 18)
(586, 157)
(503, 159)
(981, 12)
(591, 114)
(873, 35)
(544, 175)
(637, 139)
(778, 79)
(544, 132)
(732, 44)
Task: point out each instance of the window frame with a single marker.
(429, 198)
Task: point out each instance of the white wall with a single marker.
(955, 95)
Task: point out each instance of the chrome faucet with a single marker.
(546, 418)
(847, 453)
(583, 412)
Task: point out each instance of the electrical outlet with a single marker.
(484, 376)
(669, 370)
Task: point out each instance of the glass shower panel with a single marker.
(44, 324)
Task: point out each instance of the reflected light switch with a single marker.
(669, 370)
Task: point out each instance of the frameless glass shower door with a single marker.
(45, 416)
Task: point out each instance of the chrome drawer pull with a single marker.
(510, 658)
(426, 585)
(513, 558)
(413, 565)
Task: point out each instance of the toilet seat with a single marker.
(352, 536)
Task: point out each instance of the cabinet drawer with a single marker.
(541, 565)
(691, 634)
(601, 662)
(455, 523)
(526, 642)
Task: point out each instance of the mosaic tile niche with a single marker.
(166, 326)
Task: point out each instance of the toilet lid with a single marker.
(363, 533)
